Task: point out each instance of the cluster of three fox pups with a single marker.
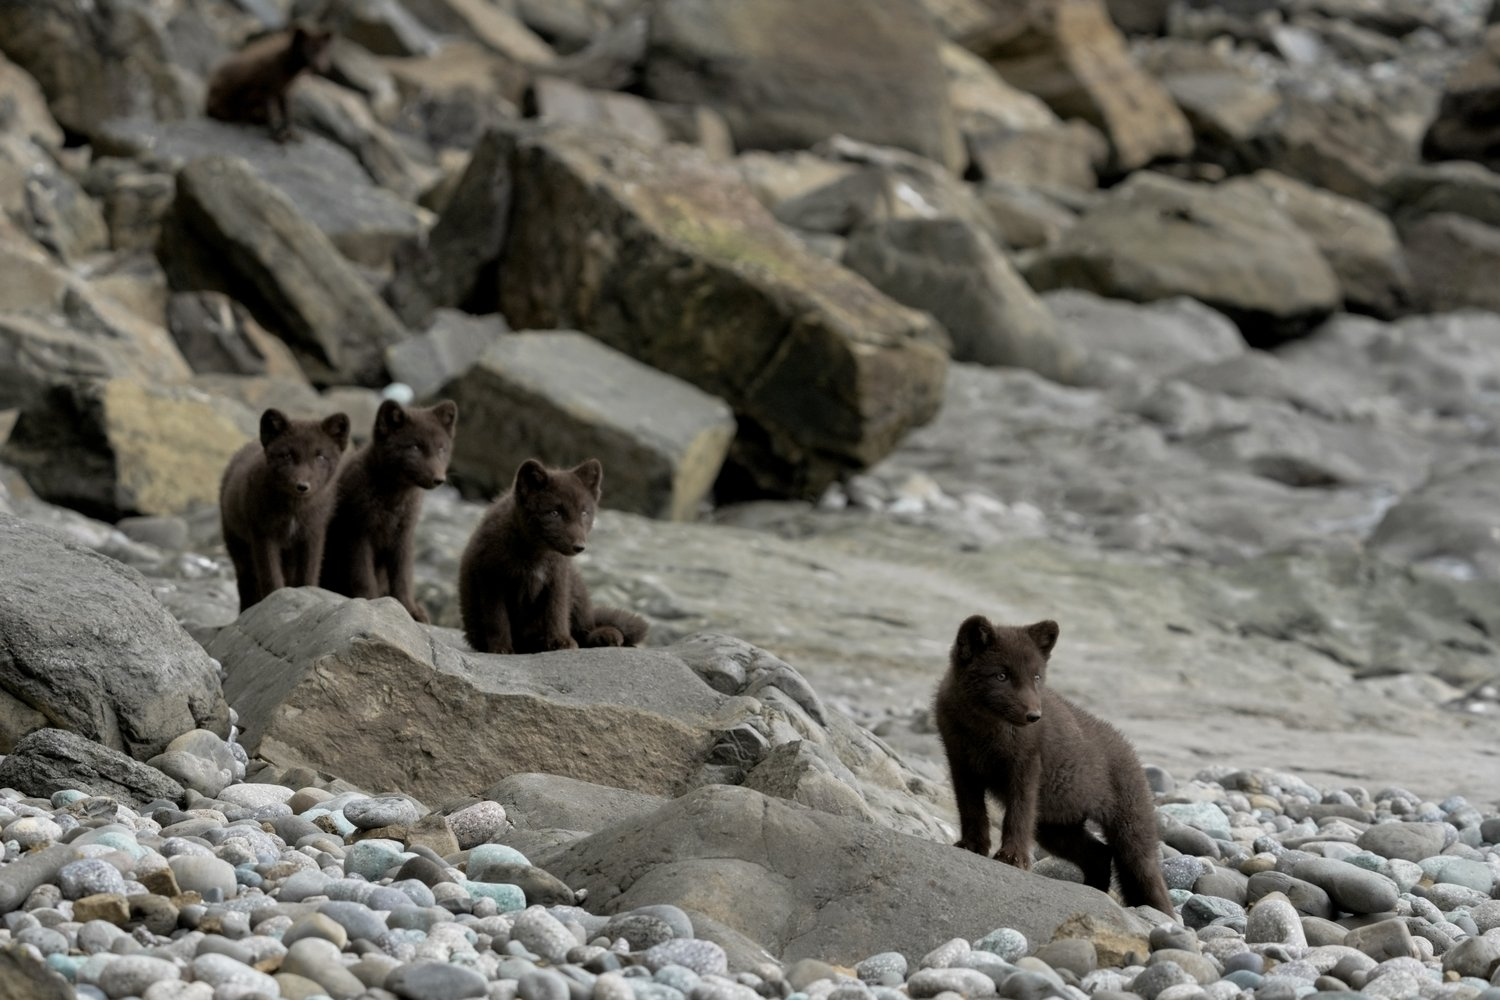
(294, 515)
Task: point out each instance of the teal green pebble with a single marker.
(509, 898)
(66, 965)
(372, 858)
(1203, 816)
(66, 797)
(496, 854)
(120, 841)
(1459, 871)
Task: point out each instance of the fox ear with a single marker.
(1044, 634)
(591, 474)
(530, 477)
(390, 417)
(975, 636)
(336, 426)
(447, 414)
(273, 424)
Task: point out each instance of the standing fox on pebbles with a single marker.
(251, 85)
(518, 589)
(1053, 766)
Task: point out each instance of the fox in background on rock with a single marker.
(275, 500)
(251, 85)
(1053, 766)
(369, 552)
(519, 590)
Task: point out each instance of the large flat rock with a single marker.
(807, 884)
(85, 646)
(668, 257)
(357, 688)
(562, 396)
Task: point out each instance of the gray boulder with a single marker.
(49, 37)
(562, 396)
(1229, 247)
(218, 335)
(807, 884)
(52, 760)
(1359, 242)
(46, 202)
(1452, 258)
(1464, 127)
(326, 183)
(765, 66)
(84, 645)
(669, 258)
(281, 266)
(955, 272)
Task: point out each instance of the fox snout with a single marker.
(303, 486)
(1033, 715)
(577, 548)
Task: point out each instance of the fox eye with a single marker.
(555, 512)
(1001, 676)
(414, 446)
(322, 457)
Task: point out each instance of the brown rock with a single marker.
(668, 257)
(160, 881)
(108, 906)
(1070, 55)
(1465, 127)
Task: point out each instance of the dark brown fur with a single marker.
(275, 500)
(1051, 765)
(518, 588)
(379, 497)
(251, 85)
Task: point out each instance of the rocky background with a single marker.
(1173, 320)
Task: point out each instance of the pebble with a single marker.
(205, 875)
(378, 811)
(1274, 920)
(703, 957)
(1352, 889)
(131, 975)
(642, 930)
(885, 969)
(1008, 943)
(964, 982)
(89, 877)
(477, 824)
(435, 981)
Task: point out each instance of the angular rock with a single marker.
(1072, 57)
(956, 273)
(787, 73)
(385, 27)
(1464, 127)
(563, 396)
(1227, 109)
(551, 801)
(24, 976)
(47, 203)
(1230, 248)
(490, 24)
(1066, 156)
(84, 643)
(453, 266)
(52, 760)
(280, 266)
(444, 351)
(327, 184)
(460, 92)
(1459, 187)
(345, 117)
(119, 447)
(26, 113)
(670, 259)
(47, 38)
(55, 328)
(1359, 243)
(218, 335)
(761, 866)
(134, 198)
(1350, 146)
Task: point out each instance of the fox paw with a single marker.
(1015, 858)
(562, 642)
(419, 614)
(977, 846)
(605, 635)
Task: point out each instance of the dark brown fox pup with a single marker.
(379, 497)
(1050, 764)
(251, 85)
(275, 500)
(518, 588)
